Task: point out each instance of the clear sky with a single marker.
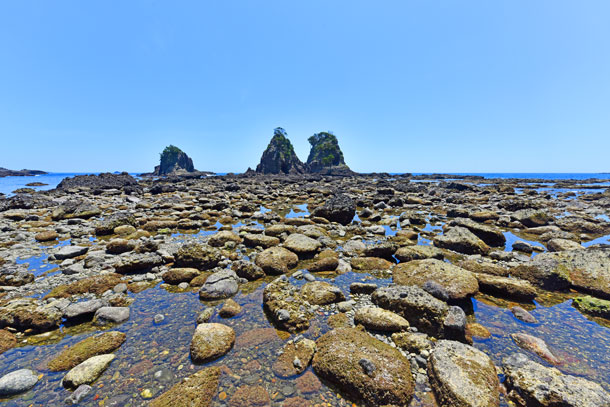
(406, 86)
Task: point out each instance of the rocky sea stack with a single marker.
(279, 157)
(174, 162)
(326, 155)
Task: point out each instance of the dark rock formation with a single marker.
(19, 173)
(340, 208)
(279, 157)
(100, 182)
(174, 161)
(325, 155)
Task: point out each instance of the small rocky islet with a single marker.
(305, 284)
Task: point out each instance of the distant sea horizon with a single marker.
(52, 179)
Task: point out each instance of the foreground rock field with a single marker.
(306, 290)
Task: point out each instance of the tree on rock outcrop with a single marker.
(173, 160)
(279, 157)
(325, 154)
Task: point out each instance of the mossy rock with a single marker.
(92, 346)
(197, 390)
(197, 256)
(592, 306)
(94, 285)
(364, 367)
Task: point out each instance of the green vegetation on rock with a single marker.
(325, 152)
(593, 306)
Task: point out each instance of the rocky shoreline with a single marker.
(19, 173)
(305, 289)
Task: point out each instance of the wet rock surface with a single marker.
(161, 257)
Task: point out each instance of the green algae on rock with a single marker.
(94, 284)
(279, 157)
(325, 153)
(92, 346)
(592, 306)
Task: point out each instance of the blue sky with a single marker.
(420, 86)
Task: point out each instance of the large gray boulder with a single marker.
(17, 382)
(220, 285)
(461, 240)
(340, 208)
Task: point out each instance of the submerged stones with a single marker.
(536, 345)
(92, 346)
(197, 389)
(532, 384)
(364, 367)
(462, 376)
(295, 357)
(211, 341)
(88, 371)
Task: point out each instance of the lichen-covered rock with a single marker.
(196, 390)
(461, 240)
(379, 319)
(364, 367)
(490, 235)
(322, 293)
(276, 260)
(197, 256)
(287, 307)
(340, 208)
(462, 376)
(15, 275)
(88, 371)
(7, 340)
(99, 344)
(211, 341)
(113, 221)
(279, 157)
(370, 263)
(457, 282)
(532, 384)
(592, 306)
(412, 342)
(532, 217)
(29, 313)
(295, 358)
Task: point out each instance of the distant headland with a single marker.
(19, 173)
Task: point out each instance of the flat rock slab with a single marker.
(462, 376)
(17, 382)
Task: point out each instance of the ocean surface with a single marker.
(10, 184)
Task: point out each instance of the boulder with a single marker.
(211, 341)
(457, 282)
(532, 217)
(229, 309)
(370, 264)
(176, 276)
(379, 319)
(15, 275)
(46, 236)
(220, 285)
(219, 239)
(462, 376)
(88, 371)
(364, 367)
(137, 262)
(118, 246)
(197, 256)
(97, 284)
(560, 245)
(461, 240)
(302, 245)
(532, 384)
(276, 260)
(506, 287)
(108, 225)
(83, 309)
(29, 313)
(248, 270)
(111, 315)
(258, 239)
(490, 235)
(419, 252)
(322, 293)
(18, 381)
(340, 208)
(68, 252)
